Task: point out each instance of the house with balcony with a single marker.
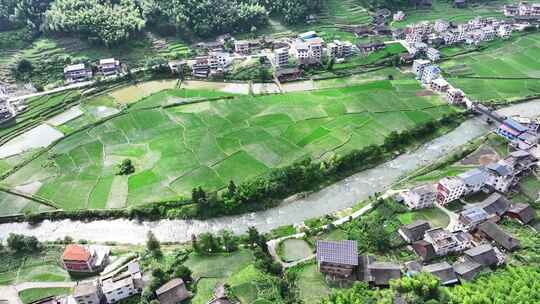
(88, 292)
(77, 73)
(440, 85)
(85, 259)
(420, 197)
(430, 73)
(455, 96)
(433, 54)
(414, 231)
(109, 67)
(450, 189)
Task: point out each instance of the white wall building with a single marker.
(439, 85)
(455, 96)
(433, 54)
(116, 289)
(419, 65)
(281, 57)
(449, 189)
(420, 197)
(430, 73)
(219, 60)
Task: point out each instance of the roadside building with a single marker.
(219, 60)
(338, 49)
(443, 271)
(433, 54)
(315, 46)
(85, 259)
(338, 260)
(504, 31)
(177, 66)
(88, 293)
(120, 287)
(455, 96)
(470, 218)
(77, 72)
(201, 67)
(281, 57)
(241, 46)
(467, 270)
(109, 66)
(399, 16)
(300, 50)
(474, 180)
(430, 73)
(501, 177)
(414, 231)
(420, 197)
(173, 292)
(493, 232)
(382, 272)
(523, 213)
(510, 10)
(511, 129)
(450, 189)
(440, 85)
(418, 67)
(441, 26)
(464, 240)
(484, 254)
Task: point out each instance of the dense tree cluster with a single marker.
(107, 21)
(208, 243)
(23, 243)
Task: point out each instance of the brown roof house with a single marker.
(338, 259)
(424, 250)
(467, 270)
(173, 292)
(414, 231)
(443, 271)
(524, 213)
(493, 232)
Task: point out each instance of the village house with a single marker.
(109, 66)
(455, 96)
(474, 180)
(441, 26)
(281, 57)
(511, 10)
(219, 60)
(173, 292)
(382, 272)
(500, 177)
(398, 34)
(338, 260)
(308, 35)
(201, 67)
(511, 129)
(520, 162)
(87, 293)
(430, 73)
(523, 213)
(177, 66)
(529, 9)
(382, 30)
(460, 3)
(123, 283)
(420, 197)
(467, 270)
(412, 268)
(418, 67)
(433, 54)
(399, 16)
(287, 73)
(406, 58)
(504, 31)
(241, 47)
(77, 72)
(440, 85)
(370, 47)
(443, 271)
(449, 189)
(495, 204)
(338, 49)
(7, 111)
(484, 255)
(220, 296)
(424, 250)
(414, 231)
(493, 232)
(309, 51)
(85, 259)
(443, 241)
(470, 218)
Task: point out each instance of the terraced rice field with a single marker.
(209, 143)
(516, 64)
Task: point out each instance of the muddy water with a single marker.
(338, 196)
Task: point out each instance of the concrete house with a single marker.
(87, 293)
(382, 272)
(443, 241)
(443, 271)
(504, 31)
(338, 49)
(118, 288)
(420, 197)
(85, 259)
(414, 231)
(470, 218)
(430, 73)
(440, 85)
(399, 16)
(501, 177)
(418, 67)
(450, 189)
(219, 60)
(281, 57)
(441, 26)
(493, 232)
(474, 180)
(433, 54)
(455, 96)
(523, 213)
(173, 292)
(338, 260)
(77, 72)
(484, 254)
(241, 46)
(109, 66)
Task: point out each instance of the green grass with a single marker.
(291, 250)
(435, 216)
(175, 149)
(218, 265)
(311, 284)
(34, 294)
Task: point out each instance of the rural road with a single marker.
(10, 294)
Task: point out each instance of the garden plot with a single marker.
(38, 137)
(68, 115)
(207, 144)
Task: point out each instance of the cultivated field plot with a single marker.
(515, 64)
(207, 144)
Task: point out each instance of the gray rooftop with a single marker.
(169, 285)
(339, 252)
(443, 271)
(495, 204)
(85, 288)
(499, 169)
(494, 232)
(474, 176)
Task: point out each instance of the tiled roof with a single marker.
(340, 252)
(443, 271)
(75, 252)
(496, 204)
(494, 232)
(169, 285)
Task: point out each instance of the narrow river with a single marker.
(338, 196)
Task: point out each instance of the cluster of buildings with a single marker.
(7, 111)
(430, 75)
(81, 71)
(523, 11)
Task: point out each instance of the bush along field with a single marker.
(502, 72)
(308, 137)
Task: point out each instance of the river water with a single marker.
(335, 197)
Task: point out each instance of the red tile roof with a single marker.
(76, 253)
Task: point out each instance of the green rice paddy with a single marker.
(209, 143)
(505, 71)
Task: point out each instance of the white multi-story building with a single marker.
(338, 49)
(474, 180)
(315, 50)
(433, 54)
(430, 73)
(241, 46)
(443, 241)
(504, 31)
(420, 197)
(439, 85)
(455, 96)
(219, 60)
(281, 57)
(419, 66)
(309, 51)
(441, 26)
(87, 293)
(449, 189)
(500, 177)
(300, 51)
(399, 16)
(116, 289)
(488, 33)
